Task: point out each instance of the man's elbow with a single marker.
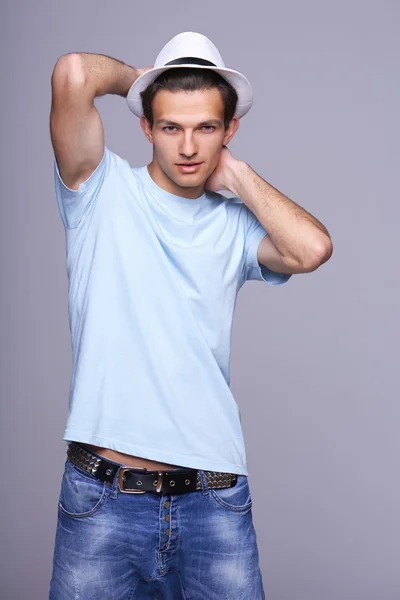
(320, 255)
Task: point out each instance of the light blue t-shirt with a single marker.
(153, 280)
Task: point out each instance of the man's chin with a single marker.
(189, 179)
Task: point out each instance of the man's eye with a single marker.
(169, 127)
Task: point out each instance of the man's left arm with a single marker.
(296, 242)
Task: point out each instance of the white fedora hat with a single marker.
(191, 49)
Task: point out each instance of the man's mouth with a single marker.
(188, 167)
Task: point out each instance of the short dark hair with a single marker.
(188, 79)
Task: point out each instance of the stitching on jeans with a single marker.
(76, 585)
(184, 597)
(134, 588)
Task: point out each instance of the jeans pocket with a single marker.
(236, 498)
(82, 494)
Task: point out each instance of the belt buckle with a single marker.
(120, 480)
(159, 481)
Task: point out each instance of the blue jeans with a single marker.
(110, 545)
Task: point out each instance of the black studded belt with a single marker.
(137, 480)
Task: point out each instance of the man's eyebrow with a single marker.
(209, 122)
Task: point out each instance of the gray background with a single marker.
(314, 362)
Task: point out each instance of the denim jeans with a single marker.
(111, 545)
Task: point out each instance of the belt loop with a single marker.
(114, 484)
(204, 485)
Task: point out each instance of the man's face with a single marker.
(188, 127)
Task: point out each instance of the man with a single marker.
(154, 499)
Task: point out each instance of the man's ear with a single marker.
(232, 129)
(145, 125)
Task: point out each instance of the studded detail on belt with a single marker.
(137, 480)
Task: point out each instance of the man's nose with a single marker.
(188, 147)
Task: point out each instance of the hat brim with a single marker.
(236, 79)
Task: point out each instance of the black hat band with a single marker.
(190, 59)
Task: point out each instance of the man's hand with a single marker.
(141, 71)
(221, 176)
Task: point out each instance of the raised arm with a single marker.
(76, 128)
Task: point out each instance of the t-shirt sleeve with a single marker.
(254, 232)
(74, 204)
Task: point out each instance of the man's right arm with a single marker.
(76, 127)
